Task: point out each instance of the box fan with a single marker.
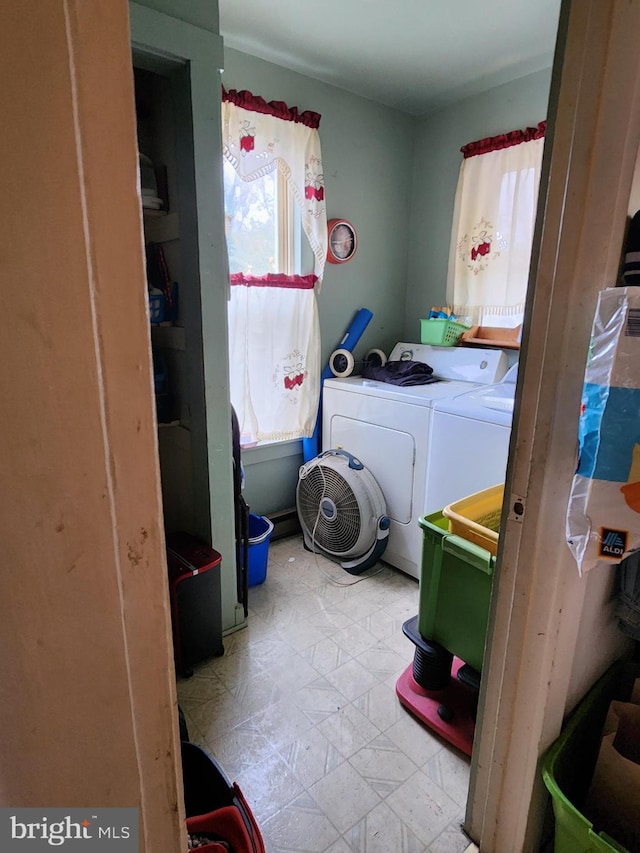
(342, 510)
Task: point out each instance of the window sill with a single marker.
(269, 452)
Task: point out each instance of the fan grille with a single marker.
(340, 533)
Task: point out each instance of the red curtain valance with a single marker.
(504, 140)
(297, 282)
(278, 109)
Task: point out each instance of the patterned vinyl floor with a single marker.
(301, 711)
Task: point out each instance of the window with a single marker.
(274, 192)
(262, 228)
(494, 219)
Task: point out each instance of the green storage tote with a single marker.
(568, 765)
(455, 591)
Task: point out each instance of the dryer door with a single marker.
(387, 453)
(390, 438)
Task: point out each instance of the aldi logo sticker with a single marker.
(613, 543)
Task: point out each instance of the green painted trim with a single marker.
(192, 57)
(162, 35)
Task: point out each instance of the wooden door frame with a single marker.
(590, 154)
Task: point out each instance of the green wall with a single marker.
(394, 176)
(188, 52)
(367, 152)
(200, 13)
(438, 139)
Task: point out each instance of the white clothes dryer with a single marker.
(469, 444)
(388, 428)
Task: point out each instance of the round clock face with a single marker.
(343, 241)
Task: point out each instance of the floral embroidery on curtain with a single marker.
(274, 330)
(274, 356)
(493, 223)
(259, 137)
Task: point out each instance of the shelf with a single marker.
(489, 344)
(161, 226)
(168, 336)
(492, 336)
(153, 211)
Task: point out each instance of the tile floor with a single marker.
(301, 711)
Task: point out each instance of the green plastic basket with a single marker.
(441, 332)
(567, 767)
(455, 590)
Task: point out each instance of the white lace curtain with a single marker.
(259, 137)
(493, 224)
(274, 356)
(274, 331)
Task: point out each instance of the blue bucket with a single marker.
(260, 530)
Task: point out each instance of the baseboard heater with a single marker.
(285, 523)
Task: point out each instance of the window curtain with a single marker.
(274, 356)
(493, 224)
(258, 137)
(274, 330)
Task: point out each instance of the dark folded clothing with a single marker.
(401, 373)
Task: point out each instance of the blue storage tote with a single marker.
(260, 530)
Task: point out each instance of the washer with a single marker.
(469, 444)
(388, 427)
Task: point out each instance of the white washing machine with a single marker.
(469, 444)
(388, 427)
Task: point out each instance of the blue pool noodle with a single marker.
(311, 446)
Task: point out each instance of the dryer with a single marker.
(469, 444)
(388, 428)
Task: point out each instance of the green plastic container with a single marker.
(455, 591)
(439, 331)
(567, 767)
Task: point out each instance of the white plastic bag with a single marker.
(603, 516)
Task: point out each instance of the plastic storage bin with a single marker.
(163, 307)
(260, 530)
(441, 332)
(455, 591)
(477, 517)
(196, 610)
(156, 307)
(568, 766)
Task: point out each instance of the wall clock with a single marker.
(343, 241)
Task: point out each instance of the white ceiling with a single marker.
(415, 55)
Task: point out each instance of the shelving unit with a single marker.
(161, 226)
(168, 336)
(153, 212)
(178, 89)
(156, 139)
